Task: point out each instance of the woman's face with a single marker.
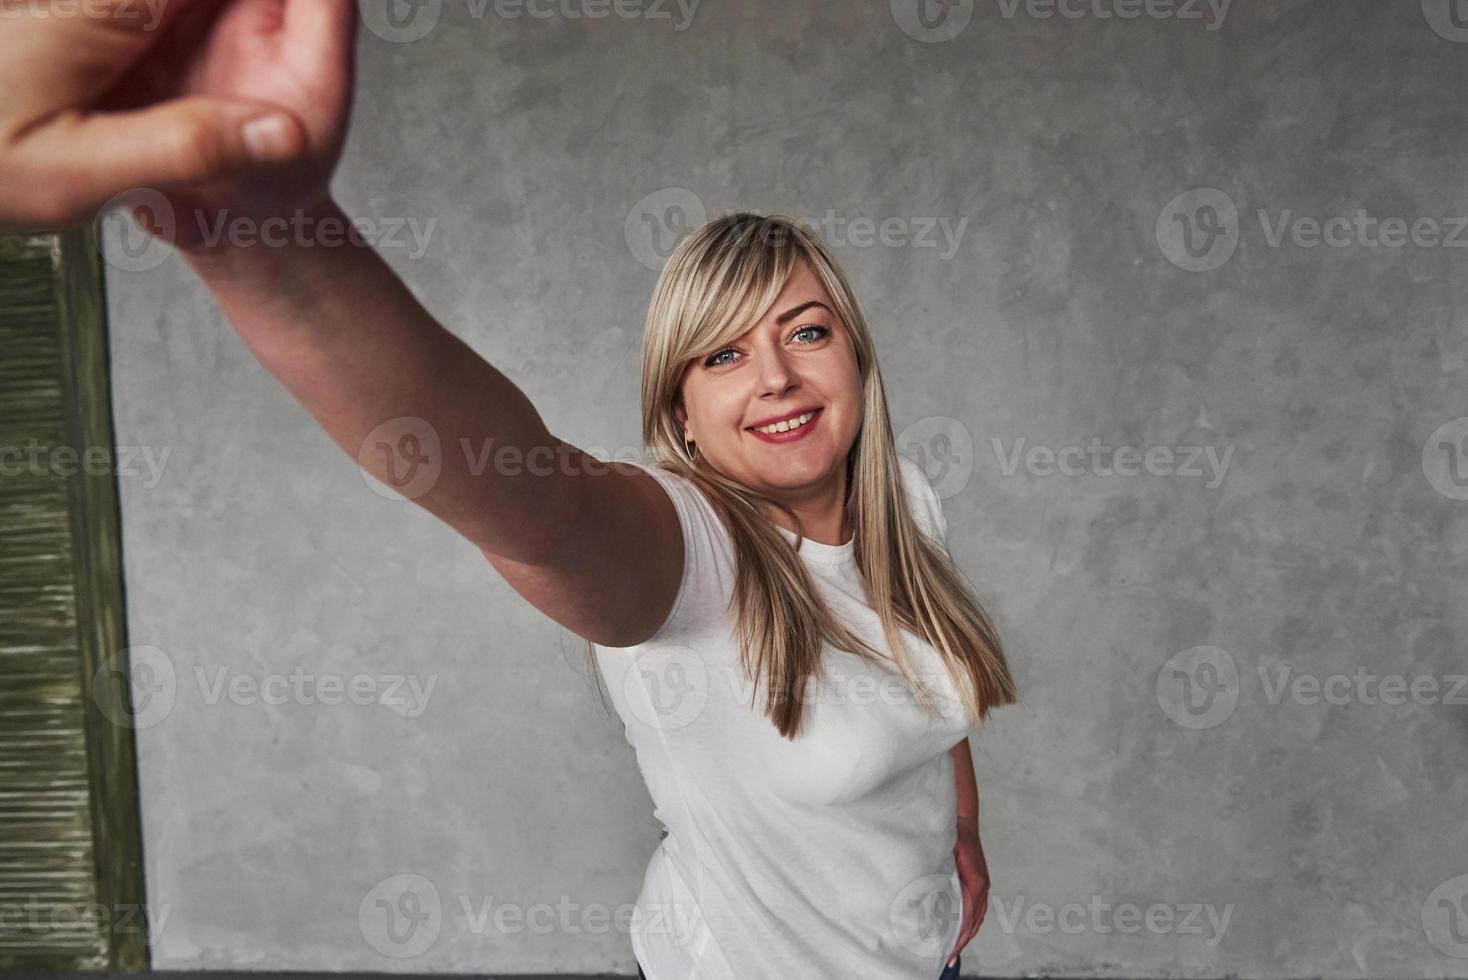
(799, 359)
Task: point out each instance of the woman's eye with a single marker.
(716, 360)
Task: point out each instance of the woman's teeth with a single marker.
(786, 426)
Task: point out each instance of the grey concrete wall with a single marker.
(1090, 247)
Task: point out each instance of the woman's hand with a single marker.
(973, 878)
(216, 104)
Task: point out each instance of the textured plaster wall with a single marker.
(1292, 411)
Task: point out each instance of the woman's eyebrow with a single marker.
(791, 314)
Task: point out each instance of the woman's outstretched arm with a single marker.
(349, 340)
(234, 109)
(598, 550)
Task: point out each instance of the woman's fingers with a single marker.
(51, 63)
(184, 140)
(61, 158)
(95, 105)
(969, 928)
(326, 29)
(319, 38)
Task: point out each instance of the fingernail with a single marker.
(269, 138)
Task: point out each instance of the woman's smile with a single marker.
(790, 429)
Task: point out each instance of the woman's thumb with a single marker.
(195, 138)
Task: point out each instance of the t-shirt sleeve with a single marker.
(708, 562)
(927, 506)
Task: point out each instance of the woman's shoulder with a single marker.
(708, 557)
(694, 508)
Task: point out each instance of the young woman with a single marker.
(795, 658)
(800, 710)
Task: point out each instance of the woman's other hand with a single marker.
(973, 878)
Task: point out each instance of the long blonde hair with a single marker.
(719, 281)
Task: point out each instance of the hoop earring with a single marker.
(692, 453)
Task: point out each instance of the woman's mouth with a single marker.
(788, 430)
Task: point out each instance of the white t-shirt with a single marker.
(829, 856)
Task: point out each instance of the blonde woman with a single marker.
(795, 658)
(800, 709)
